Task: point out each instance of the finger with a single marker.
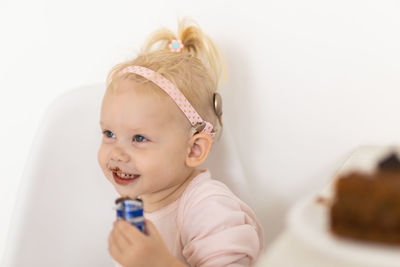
(130, 232)
(112, 240)
(113, 248)
(120, 238)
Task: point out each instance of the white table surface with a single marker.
(289, 251)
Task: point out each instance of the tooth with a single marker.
(125, 175)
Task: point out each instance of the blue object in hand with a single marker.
(131, 210)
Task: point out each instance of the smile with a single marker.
(124, 179)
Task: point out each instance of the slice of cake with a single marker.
(367, 206)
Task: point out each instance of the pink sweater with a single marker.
(209, 226)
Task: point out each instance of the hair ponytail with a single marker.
(196, 44)
(201, 46)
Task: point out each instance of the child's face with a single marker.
(145, 136)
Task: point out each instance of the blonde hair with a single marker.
(197, 71)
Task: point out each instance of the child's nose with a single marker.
(118, 154)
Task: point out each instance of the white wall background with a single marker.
(309, 80)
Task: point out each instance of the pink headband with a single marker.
(195, 119)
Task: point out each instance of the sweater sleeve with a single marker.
(217, 231)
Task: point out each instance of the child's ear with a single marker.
(199, 147)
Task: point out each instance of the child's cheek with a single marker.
(99, 157)
(102, 158)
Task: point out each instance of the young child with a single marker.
(159, 119)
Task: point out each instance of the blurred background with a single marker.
(309, 81)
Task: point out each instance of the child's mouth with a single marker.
(124, 180)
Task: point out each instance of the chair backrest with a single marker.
(64, 211)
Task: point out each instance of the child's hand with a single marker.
(131, 248)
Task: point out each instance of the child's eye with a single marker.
(108, 134)
(140, 139)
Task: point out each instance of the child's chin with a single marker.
(124, 192)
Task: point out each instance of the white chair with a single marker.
(64, 210)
